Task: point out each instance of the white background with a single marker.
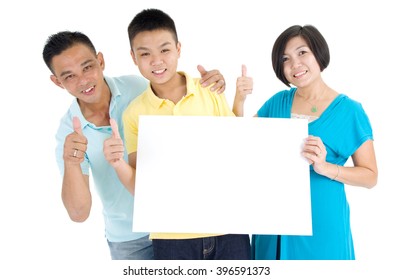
(36, 234)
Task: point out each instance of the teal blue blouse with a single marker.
(343, 128)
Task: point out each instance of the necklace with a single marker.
(314, 107)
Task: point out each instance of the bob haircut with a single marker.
(315, 41)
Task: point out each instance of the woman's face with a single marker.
(299, 63)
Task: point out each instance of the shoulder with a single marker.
(130, 82)
(192, 83)
(350, 104)
(194, 86)
(127, 79)
(282, 96)
(350, 110)
(137, 103)
(139, 99)
(278, 105)
(285, 94)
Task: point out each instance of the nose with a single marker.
(156, 60)
(295, 62)
(83, 79)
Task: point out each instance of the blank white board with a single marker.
(222, 175)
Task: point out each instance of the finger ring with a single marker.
(75, 153)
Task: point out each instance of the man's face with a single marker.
(80, 72)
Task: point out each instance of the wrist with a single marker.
(337, 173)
(239, 97)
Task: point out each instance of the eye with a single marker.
(303, 52)
(165, 50)
(284, 59)
(144, 54)
(69, 77)
(87, 67)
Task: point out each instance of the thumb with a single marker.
(76, 124)
(115, 129)
(201, 70)
(244, 71)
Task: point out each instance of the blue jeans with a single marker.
(223, 247)
(139, 249)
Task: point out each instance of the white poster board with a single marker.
(222, 175)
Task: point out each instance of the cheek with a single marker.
(68, 86)
(143, 67)
(71, 88)
(142, 64)
(287, 72)
(172, 59)
(135, 59)
(316, 67)
(74, 85)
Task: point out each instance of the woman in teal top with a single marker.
(339, 128)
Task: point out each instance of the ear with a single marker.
(133, 57)
(101, 60)
(178, 47)
(56, 81)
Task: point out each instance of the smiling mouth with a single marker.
(158, 72)
(300, 74)
(88, 91)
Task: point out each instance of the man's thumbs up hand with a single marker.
(75, 144)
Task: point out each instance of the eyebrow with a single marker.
(83, 65)
(302, 46)
(146, 49)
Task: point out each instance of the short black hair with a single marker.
(61, 41)
(150, 20)
(315, 41)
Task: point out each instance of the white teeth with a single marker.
(301, 73)
(88, 90)
(159, 71)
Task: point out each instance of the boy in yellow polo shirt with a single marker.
(155, 49)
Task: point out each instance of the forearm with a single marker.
(126, 175)
(238, 106)
(76, 194)
(354, 176)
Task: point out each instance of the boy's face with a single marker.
(156, 54)
(80, 71)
